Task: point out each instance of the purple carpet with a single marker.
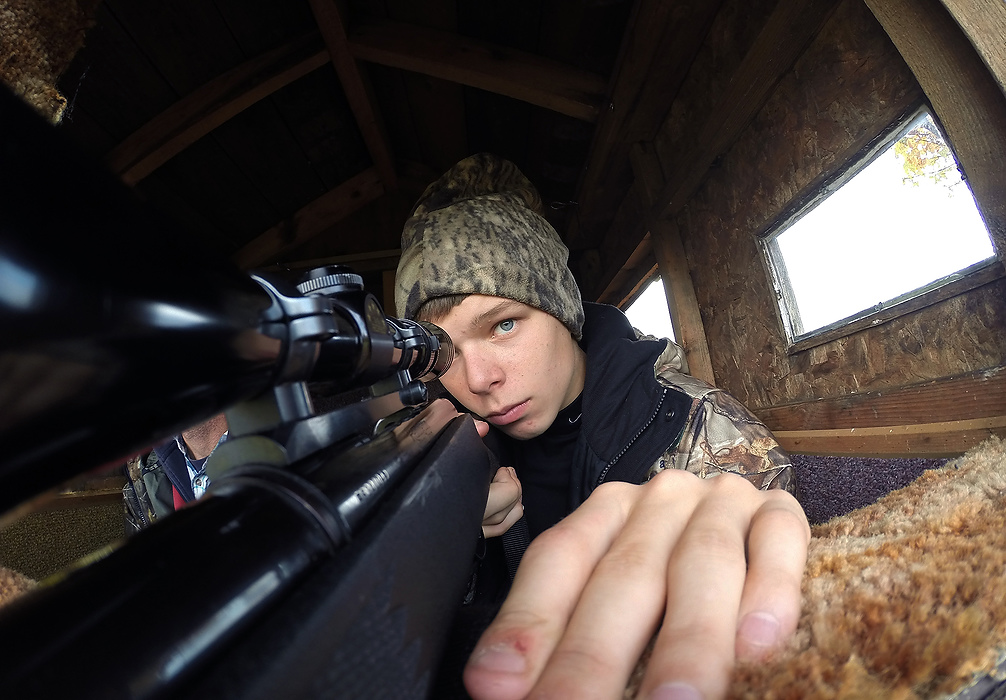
(831, 486)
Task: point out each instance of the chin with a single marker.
(521, 432)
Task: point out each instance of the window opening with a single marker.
(903, 223)
(648, 312)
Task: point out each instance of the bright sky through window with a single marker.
(882, 235)
(648, 312)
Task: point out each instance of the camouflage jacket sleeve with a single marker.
(147, 493)
(721, 434)
(138, 510)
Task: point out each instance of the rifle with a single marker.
(332, 551)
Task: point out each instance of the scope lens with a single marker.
(444, 356)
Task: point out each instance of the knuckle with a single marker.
(696, 628)
(730, 485)
(580, 660)
(560, 537)
(673, 479)
(713, 542)
(782, 512)
(668, 487)
(613, 490)
(518, 627)
(631, 562)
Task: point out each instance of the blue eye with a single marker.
(505, 326)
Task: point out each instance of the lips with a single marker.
(508, 415)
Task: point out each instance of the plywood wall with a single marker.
(850, 84)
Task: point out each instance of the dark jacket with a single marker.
(156, 484)
(641, 415)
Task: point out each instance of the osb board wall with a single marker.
(849, 85)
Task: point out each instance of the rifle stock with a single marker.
(326, 561)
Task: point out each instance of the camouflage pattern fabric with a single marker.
(147, 493)
(720, 435)
(479, 229)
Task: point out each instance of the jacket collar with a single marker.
(619, 368)
(173, 462)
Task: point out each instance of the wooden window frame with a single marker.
(972, 277)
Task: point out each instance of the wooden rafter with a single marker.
(984, 21)
(358, 91)
(312, 219)
(522, 76)
(786, 34)
(663, 243)
(197, 114)
(651, 70)
(788, 31)
(444, 55)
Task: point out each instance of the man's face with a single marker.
(514, 366)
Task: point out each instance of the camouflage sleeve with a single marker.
(722, 435)
(147, 493)
(136, 503)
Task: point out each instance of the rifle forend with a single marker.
(332, 550)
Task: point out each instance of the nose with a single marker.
(482, 372)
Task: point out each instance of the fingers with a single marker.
(512, 517)
(721, 603)
(770, 607)
(504, 506)
(718, 560)
(621, 606)
(695, 648)
(514, 649)
(481, 426)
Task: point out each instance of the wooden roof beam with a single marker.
(522, 76)
(788, 31)
(197, 114)
(785, 36)
(660, 45)
(984, 22)
(329, 17)
(672, 263)
(314, 218)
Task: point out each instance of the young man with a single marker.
(611, 443)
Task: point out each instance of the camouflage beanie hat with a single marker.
(479, 229)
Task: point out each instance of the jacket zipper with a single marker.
(609, 465)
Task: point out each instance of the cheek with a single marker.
(549, 360)
(454, 383)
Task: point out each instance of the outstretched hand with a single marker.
(715, 564)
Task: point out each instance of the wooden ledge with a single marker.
(927, 440)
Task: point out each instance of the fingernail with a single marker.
(759, 630)
(500, 658)
(675, 691)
